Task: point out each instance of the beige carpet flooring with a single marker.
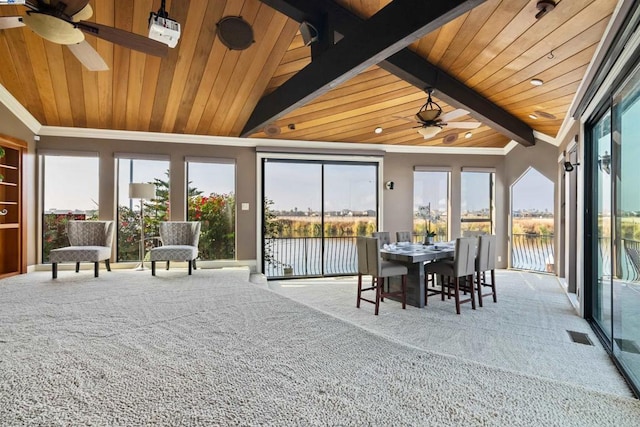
(212, 349)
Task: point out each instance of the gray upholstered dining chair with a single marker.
(90, 241)
(370, 263)
(462, 266)
(384, 238)
(404, 236)
(179, 243)
(486, 261)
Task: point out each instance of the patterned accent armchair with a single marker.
(90, 242)
(179, 243)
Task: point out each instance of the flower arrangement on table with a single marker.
(425, 213)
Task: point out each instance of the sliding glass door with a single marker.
(623, 165)
(613, 252)
(312, 211)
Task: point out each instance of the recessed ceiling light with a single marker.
(468, 135)
(378, 130)
(536, 82)
(533, 116)
(544, 115)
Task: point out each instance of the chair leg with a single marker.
(96, 268)
(167, 265)
(378, 292)
(493, 285)
(359, 290)
(189, 262)
(442, 286)
(472, 291)
(77, 267)
(456, 282)
(153, 268)
(479, 284)
(107, 264)
(194, 264)
(54, 270)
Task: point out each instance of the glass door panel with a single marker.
(292, 218)
(601, 136)
(350, 210)
(624, 168)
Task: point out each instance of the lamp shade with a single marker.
(142, 191)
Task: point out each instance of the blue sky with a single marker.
(289, 185)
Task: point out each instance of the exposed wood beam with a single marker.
(394, 27)
(412, 68)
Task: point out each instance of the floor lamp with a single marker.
(143, 192)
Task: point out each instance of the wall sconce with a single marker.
(569, 167)
(604, 163)
(389, 185)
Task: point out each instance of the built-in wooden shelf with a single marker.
(13, 235)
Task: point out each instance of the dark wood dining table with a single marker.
(414, 256)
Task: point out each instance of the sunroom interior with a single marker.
(544, 89)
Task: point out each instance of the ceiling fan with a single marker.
(63, 22)
(431, 120)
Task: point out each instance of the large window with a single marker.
(431, 203)
(476, 202)
(70, 192)
(211, 200)
(135, 170)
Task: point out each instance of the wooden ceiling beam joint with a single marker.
(394, 27)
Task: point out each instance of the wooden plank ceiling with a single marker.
(203, 88)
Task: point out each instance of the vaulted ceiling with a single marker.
(369, 68)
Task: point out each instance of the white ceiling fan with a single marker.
(63, 22)
(431, 119)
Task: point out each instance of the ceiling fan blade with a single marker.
(464, 125)
(453, 114)
(88, 56)
(124, 38)
(10, 22)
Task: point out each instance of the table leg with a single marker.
(415, 284)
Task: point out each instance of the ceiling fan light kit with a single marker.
(429, 131)
(65, 23)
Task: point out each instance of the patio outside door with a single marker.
(313, 210)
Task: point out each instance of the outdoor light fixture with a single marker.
(468, 135)
(378, 130)
(604, 162)
(143, 192)
(569, 167)
(536, 82)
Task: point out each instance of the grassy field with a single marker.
(298, 226)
